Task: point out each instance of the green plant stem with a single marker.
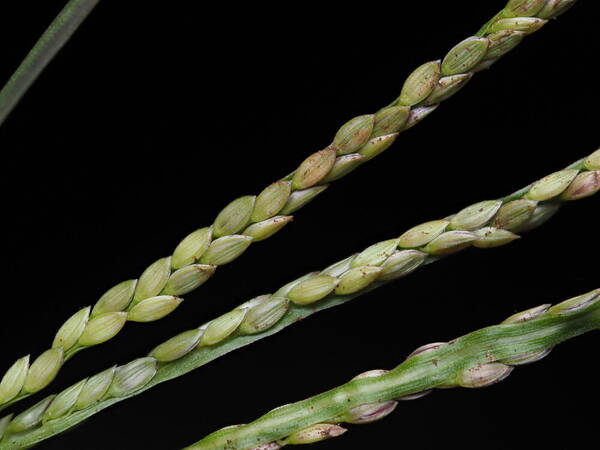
(230, 332)
(47, 46)
(444, 366)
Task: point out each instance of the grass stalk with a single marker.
(478, 359)
(48, 45)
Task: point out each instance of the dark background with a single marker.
(157, 114)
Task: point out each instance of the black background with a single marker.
(157, 114)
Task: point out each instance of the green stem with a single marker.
(418, 373)
(485, 28)
(47, 46)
